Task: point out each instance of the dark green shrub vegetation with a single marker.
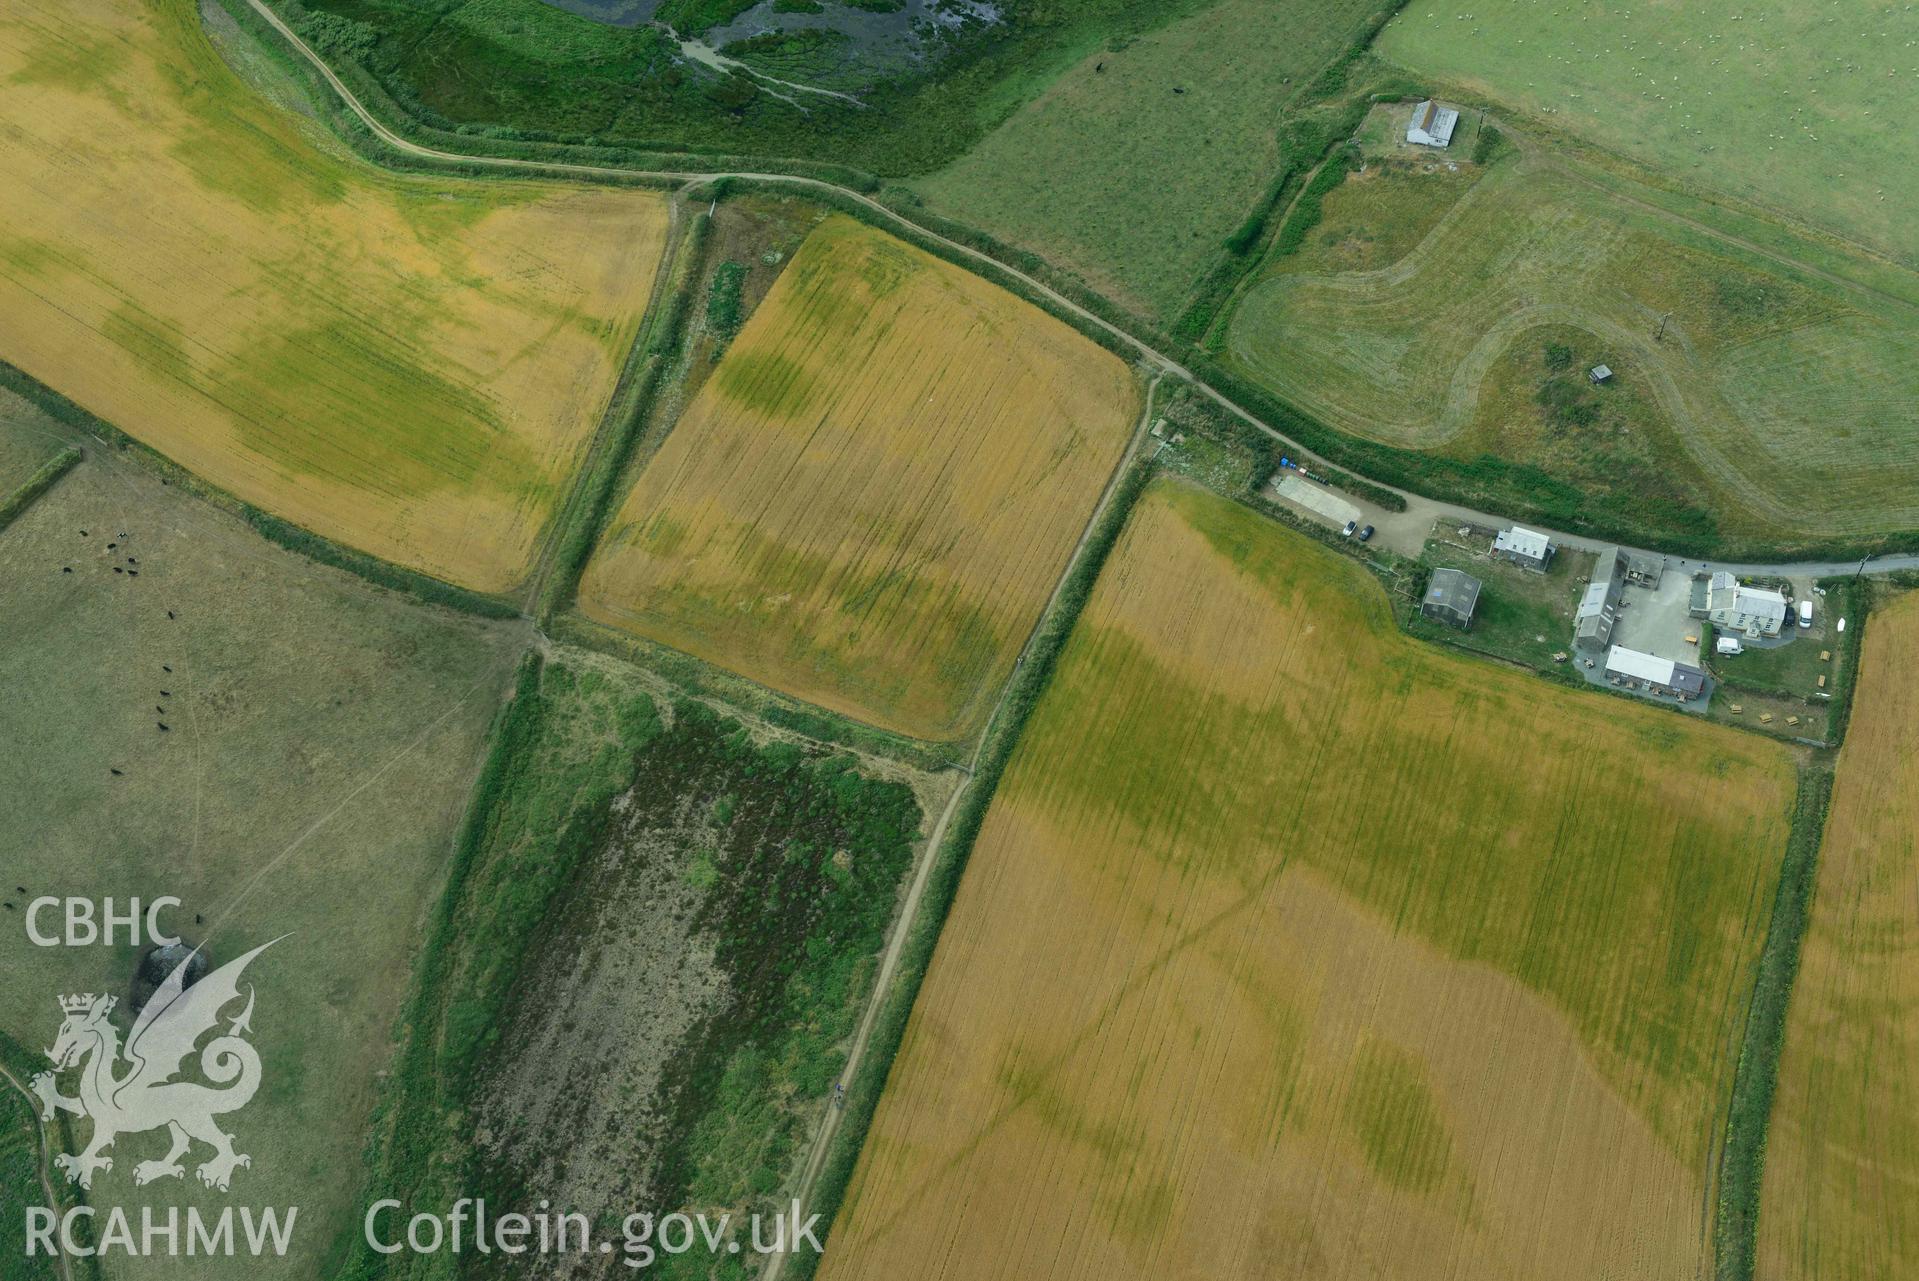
(524, 71)
(694, 17)
(1557, 356)
(1743, 1162)
(809, 858)
(1568, 401)
(1489, 146)
(1311, 205)
(338, 37)
(794, 859)
(723, 301)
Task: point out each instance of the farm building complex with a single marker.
(1432, 125)
(1732, 605)
(1630, 669)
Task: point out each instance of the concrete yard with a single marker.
(1655, 621)
(1316, 499)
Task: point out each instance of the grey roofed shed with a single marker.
(1599, 604)
(1451, 597)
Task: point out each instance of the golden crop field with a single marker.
(1293, 948)
(870, 500)
(1841, 1200)
(408, 365)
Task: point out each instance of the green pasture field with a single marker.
(660, 932)
(322, 739)
(1133, 167)
(1455, 310)
(1802, 108)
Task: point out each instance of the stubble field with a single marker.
(407, 365)
(1293, 948)
(1841, 1198)
(869, 500)
(321, 740)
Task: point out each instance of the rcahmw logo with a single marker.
(134, 1088)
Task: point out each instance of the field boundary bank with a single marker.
(419, 1015)
(1410, 473)
(576, 529)
(294, 538)
(698, 679)
(45, 477)
(839, 1151)
(1735, 1222)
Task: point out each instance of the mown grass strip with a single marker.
(1743, 1161)
(37, 484)
(1002, 736)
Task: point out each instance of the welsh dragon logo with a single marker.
(145, 1095)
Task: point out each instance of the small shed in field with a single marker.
(1432, 125)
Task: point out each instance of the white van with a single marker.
(1805, 613)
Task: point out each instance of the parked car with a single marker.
(1805, 613)
(1351, 525)
(1366, 534)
